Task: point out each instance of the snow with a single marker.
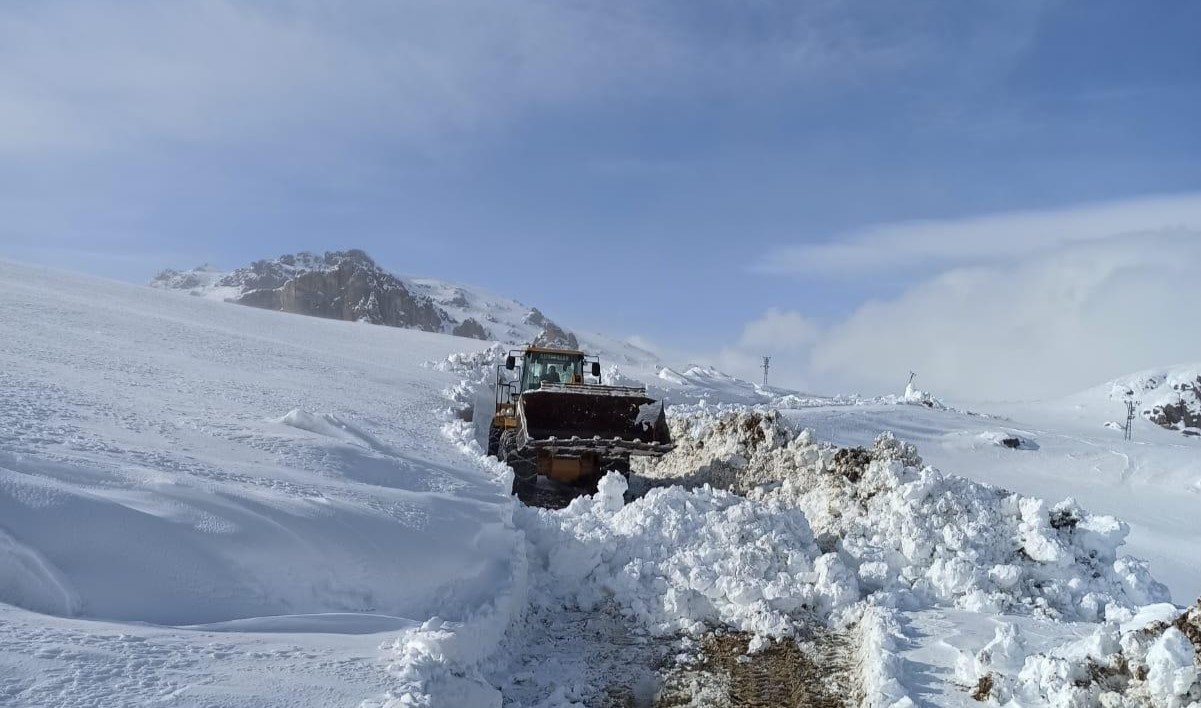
(911, 530)
(881, 669)
(1171, 670)
(679, 560)
(282, 481)
(1153, 483)
(506, 319)
(203, 504)
(1153, 391)
(920, 541)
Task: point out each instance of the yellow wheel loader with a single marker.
(550, 421)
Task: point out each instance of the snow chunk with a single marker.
(679, 560)
(910, 531)
(1171, 670)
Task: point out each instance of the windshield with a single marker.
(542, 367)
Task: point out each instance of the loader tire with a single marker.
(494, 433)
(525, 468)
(525, 476)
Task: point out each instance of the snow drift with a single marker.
(911, 531)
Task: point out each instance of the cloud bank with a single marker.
(108, 75)
(1023, 306)
(933, 245)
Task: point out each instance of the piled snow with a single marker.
(473, 363)
(679, 560)
(913, 394)
(1006, 439)
(880, 668)
(912, 532)
(1114, 666)
(1172, 669)
(438, 665)
(705, 383)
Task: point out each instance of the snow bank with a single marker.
(1151, 665)
(915, 395)
(912, 532)
(679, 560)
(880, 668)
(169, 460)
(438, 665)
(27, 579)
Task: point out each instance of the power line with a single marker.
(1130, 405)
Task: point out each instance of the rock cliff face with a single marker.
(552, 335)
(1169, 398)
(349, 285)
(471, 328)
(1183, 411)
(342, 285)
(198, 278)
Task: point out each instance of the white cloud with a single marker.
(784, 335)
(110, 74)
(1012, 306)
(107, 75)
(1045, 325)
(779, 331)
(928, 246)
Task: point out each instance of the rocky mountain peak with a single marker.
(350, 285)
(1169, 398)
(344, 285)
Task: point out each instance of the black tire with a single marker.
(525, 469)
(523, 485)
(494, 433)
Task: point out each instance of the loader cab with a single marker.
(552, 366)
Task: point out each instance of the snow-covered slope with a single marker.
(1170, 398)
(350, 285)
(511, 322)
(206, 505)
(178, 461)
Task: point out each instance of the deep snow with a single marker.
(203, 504)
(177, 461)
(1152, 483)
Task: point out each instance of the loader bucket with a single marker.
(624, 416)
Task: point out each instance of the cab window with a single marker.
(550, 368)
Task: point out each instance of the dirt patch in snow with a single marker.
(787, 673)
(549, 494)
(559, 656)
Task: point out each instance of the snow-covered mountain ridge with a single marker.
(1170, 397)
(350, 285)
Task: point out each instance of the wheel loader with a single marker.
(552, 422)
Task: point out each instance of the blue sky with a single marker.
(639, 168)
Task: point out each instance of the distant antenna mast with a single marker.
(766, 366)
(912, 376)
(1130, 404)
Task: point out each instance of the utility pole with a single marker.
(766, 366)
(1130, 405)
